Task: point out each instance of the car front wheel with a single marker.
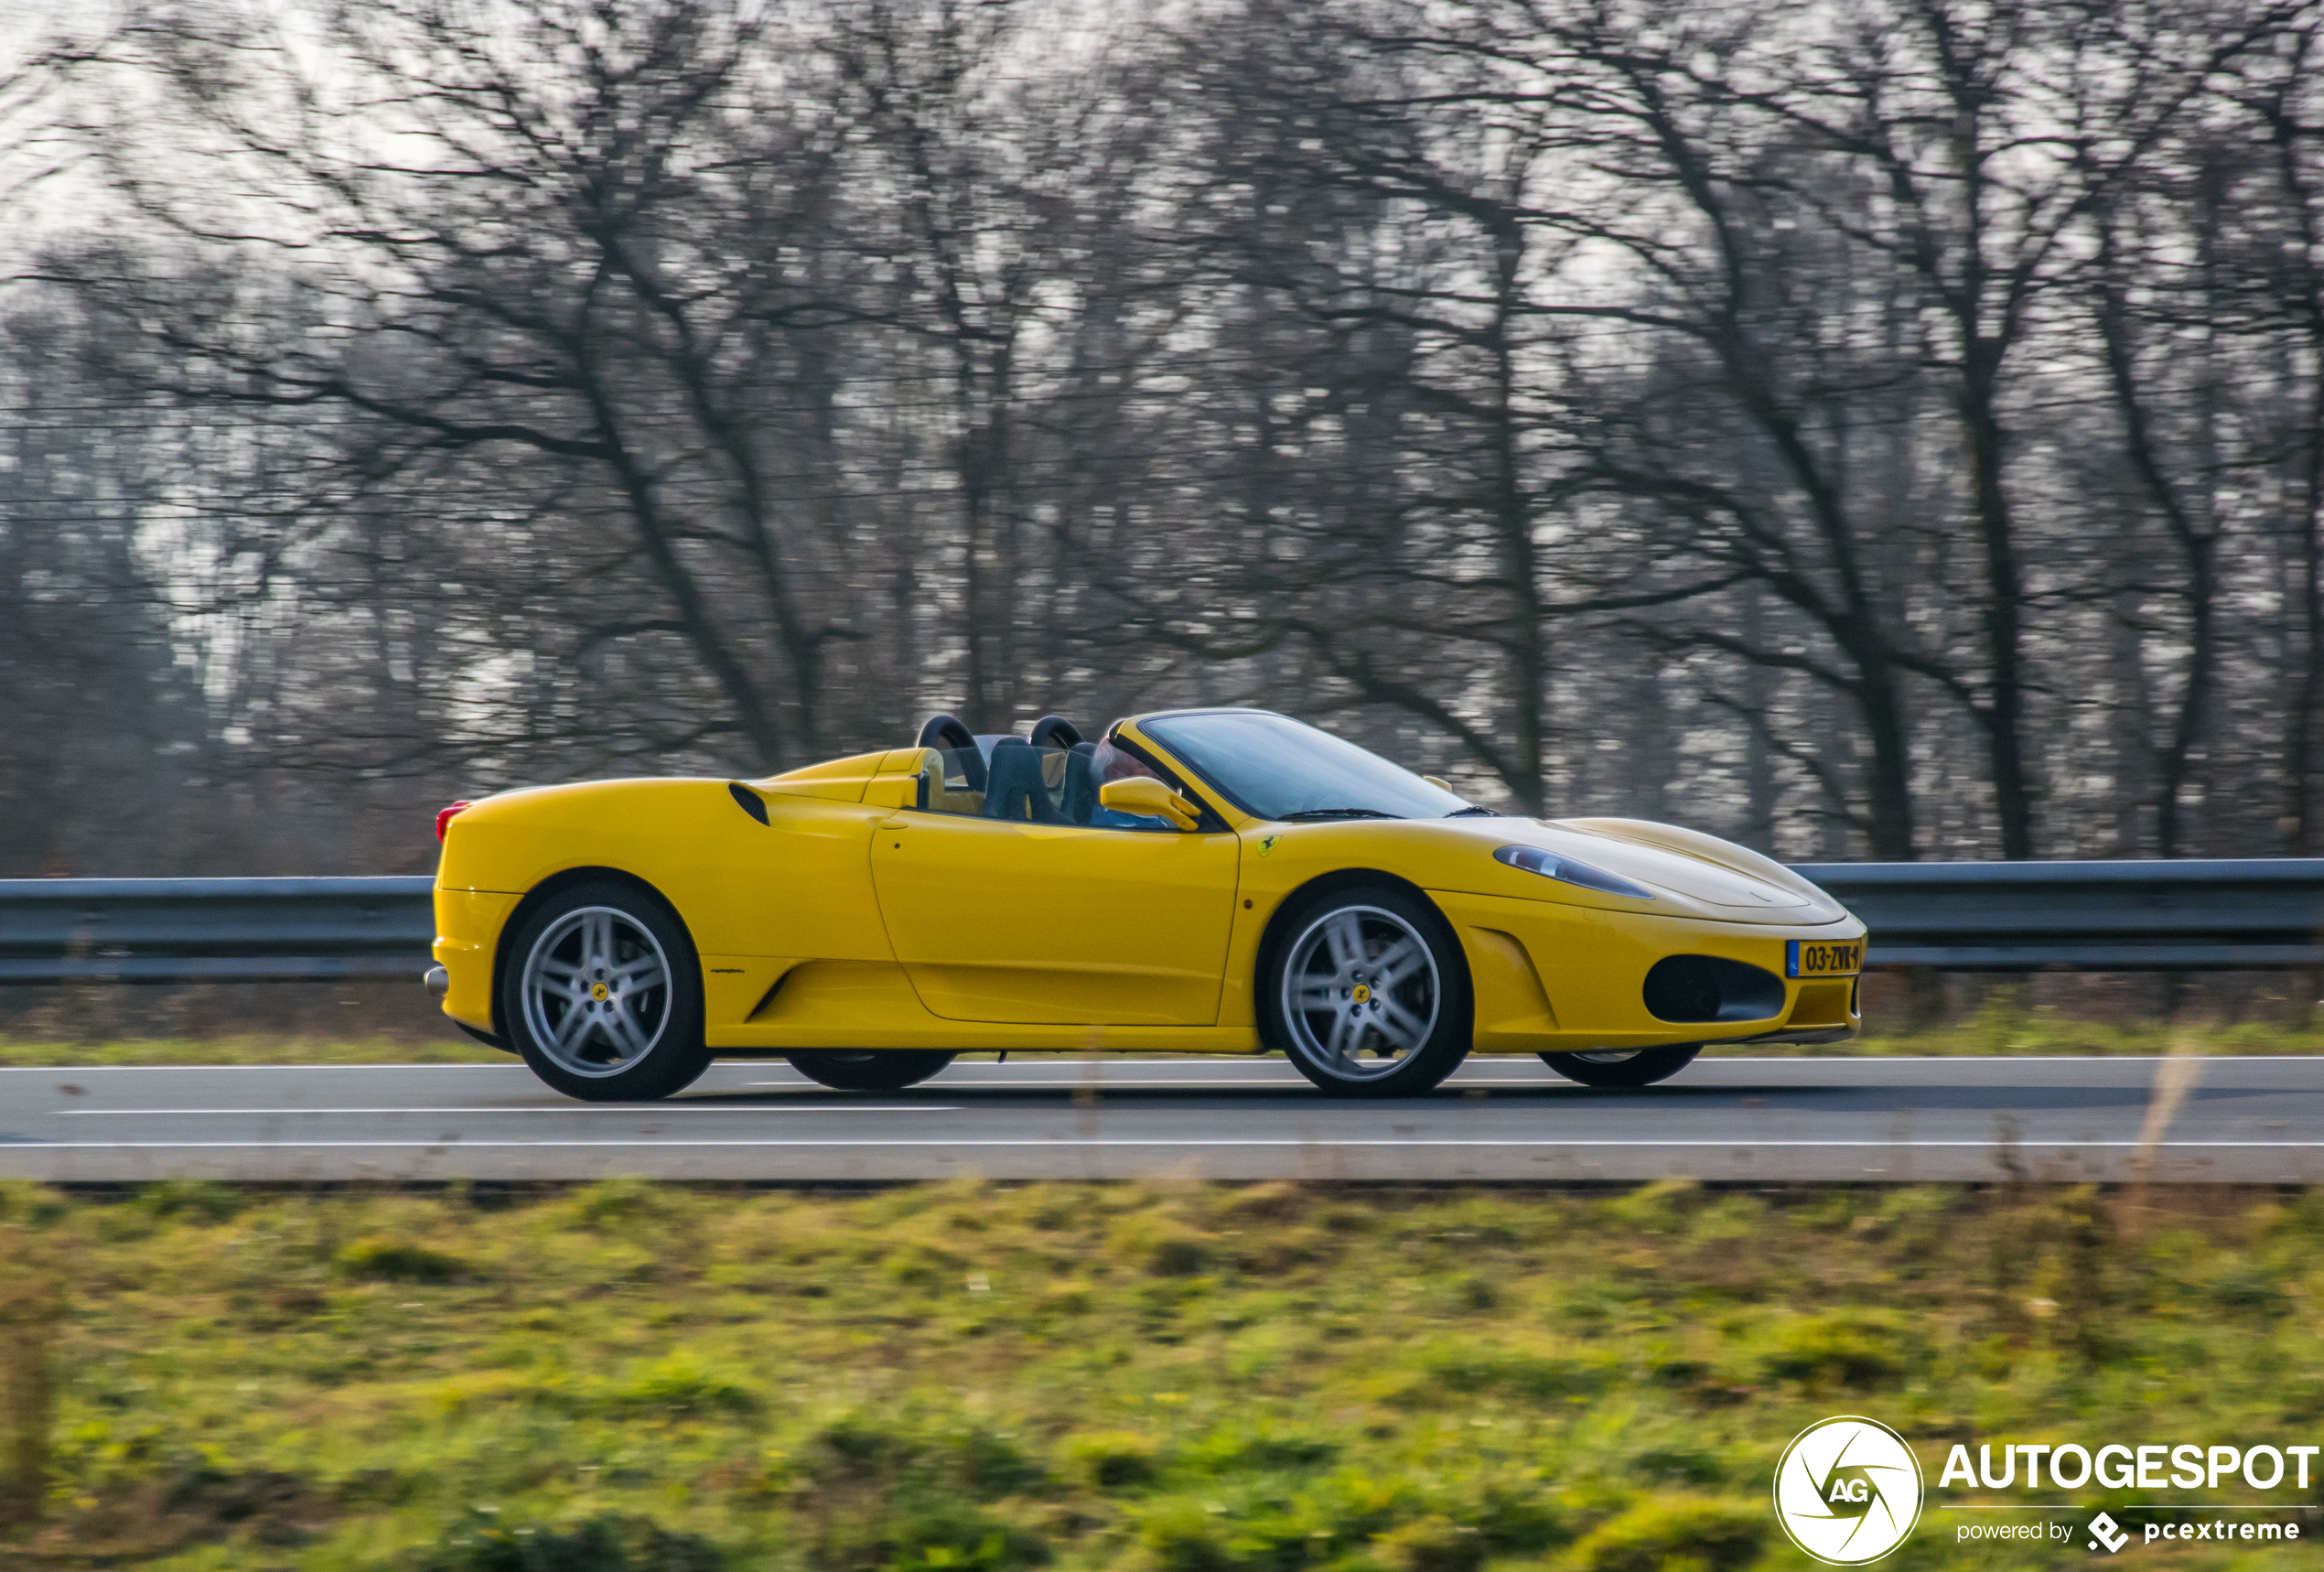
(603, 995)
(1639, 1066)
(1368, 993)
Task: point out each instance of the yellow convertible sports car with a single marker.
(1197, 881)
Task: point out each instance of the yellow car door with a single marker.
(1055, 923)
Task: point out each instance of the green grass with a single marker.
(2006, 1025)
(976, 1378)
(1999, 1029)
(251, 1049)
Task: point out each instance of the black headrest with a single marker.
(1054, 731)
(950, 733)
(946, 731)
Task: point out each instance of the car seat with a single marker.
(1081, 782)
(1013, 788)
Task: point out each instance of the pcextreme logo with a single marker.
(1847, 1490)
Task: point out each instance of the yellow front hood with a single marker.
(1687, 872)
(1695, 866)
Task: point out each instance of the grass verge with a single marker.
(38, 1051)
(1996, 1029)
(636, 1378)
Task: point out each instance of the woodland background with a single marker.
(1884, 430)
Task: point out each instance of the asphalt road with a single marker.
(1877, 1120)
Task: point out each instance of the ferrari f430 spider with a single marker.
(1205, 880)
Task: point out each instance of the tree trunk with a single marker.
(2003, 615)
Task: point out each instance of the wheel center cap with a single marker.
(600, 993)
(1363, 994)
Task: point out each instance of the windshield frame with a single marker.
(1184, 759)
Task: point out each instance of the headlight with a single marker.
(1549, 865)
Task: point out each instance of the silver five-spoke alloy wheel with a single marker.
(1360, 992)
(595, 992)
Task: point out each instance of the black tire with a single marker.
(615, 996)
(870, 1069)
(1643, 1068)
(1340, 1020)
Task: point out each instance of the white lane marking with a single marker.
(645, 1109)
(2037, 1148)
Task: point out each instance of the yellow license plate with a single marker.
(1815, 958)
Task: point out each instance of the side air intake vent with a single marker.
(1710, 989)
(750, 801)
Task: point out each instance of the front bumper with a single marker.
(1556, 978)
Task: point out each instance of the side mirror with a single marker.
(1439, 783)
(1144, 795)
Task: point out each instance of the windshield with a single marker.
(1277, 768)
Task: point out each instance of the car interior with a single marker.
(1050, 778)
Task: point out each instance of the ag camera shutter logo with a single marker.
(1847, 1490)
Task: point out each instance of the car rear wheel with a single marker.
(869, 1069)
(1368, 994)
(603, 995)
(1638, 1067)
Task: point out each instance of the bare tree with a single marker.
(1890, 430)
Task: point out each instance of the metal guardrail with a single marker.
(214, 930)
(2079, 916)
(2209, 914)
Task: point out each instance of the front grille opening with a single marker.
(1710, 989)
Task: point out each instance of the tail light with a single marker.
(444, 816)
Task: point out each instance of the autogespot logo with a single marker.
(1847, 1490)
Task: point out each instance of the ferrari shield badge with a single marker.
(1267, 846)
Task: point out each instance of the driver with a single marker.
(1117, 764)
